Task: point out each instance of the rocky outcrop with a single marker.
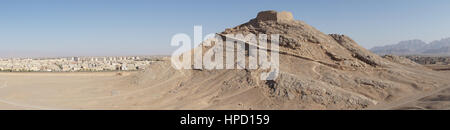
(357, 51)
(400, 60)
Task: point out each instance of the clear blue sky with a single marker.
(141, 27)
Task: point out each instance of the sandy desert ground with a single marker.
(81, 90)
(438, 99)
(107, 90)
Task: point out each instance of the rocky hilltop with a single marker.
(317, 71)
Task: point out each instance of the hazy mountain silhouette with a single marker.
(415, 47)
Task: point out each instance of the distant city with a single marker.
(76, 64)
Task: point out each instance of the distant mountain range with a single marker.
(415, 47)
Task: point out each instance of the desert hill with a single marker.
(317, 71)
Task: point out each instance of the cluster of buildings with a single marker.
(74, 64)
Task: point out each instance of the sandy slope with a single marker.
(437, 99)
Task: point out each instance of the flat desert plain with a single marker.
(79, 90)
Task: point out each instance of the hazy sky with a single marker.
(141, 27)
